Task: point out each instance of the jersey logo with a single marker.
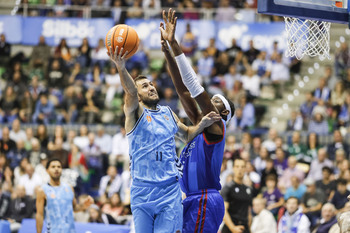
(166, 117)
(149, 119)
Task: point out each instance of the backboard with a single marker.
(322, 10)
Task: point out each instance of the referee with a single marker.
(238, 201)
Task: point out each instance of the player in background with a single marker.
(155, 191)
(201, 159)
(58, 201)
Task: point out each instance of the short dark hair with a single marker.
(139, 78)
(328, 169)
(52, 160)
(342, 182)
(293, 197)
(271, 177)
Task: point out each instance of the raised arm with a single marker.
(187, 133)
(187, 101)
(40, 203)
(189, 77)
(131, 99)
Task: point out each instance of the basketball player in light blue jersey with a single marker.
(156, 202)
(55, 203)
(201, 159)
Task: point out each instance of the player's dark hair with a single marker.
(140, 77)
(52, 160)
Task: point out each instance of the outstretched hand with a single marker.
(170, 25)
(165, 47)
(88, 201)
(210, 119)
(118, 58)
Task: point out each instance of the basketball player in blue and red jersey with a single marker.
(201, 159)
(156, 202)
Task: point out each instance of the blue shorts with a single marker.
(158, 208)
(203, 212)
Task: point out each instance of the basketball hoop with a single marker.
(307, 37)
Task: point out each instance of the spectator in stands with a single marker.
(118, 14)
(280, 162)
(151, 8)
(115, 206)
(263, 221)
(140, 59)
(120, 148)
(16, 133)
(322, 91)
(77, 76)
(342, 59)
(279, 75)
(9, 106)
(231, 77)
(292, 170)
(262, 67)
(103, 140)
(251, 82)
(97, 216)
(99, 54)
(189, 12)
(69, 107)
(188, 42)
(272, 195)
(56, 76)
(297, 189)
(252, 52)
(113, 85)
(22, 206)
(337, 144)
(6, 143)
(295, 123)
(18, 83)
(94, 78)
(5, 50)
(63, 51)
(29, 138)
(94, 158)
(328, 220)
(326, 185)
(82, 140)
(5, 200)
(344, 115)
(225, 12)
(40, 56)
(312, 148)
(269, 143)
(135, 11)
(248, 111)
(296, 148)
(293, 219)
(315, 172)
(57, 151)
(44, 111)
(338, 95)
(34, 153)
(339, 199)
(31, 181)
(110, 183)
(170, 100)
(269, 170)
(42, 135)
(15, 156)
(83, 55)
(35, 88)
(205, 66)
(339, 158)
(82, 215)
(307, 107)
(312, 201)
(40, 168)
(91, 108)
(26, 106)
(233, 50)
(260, 162)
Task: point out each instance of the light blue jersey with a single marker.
(59, 209)
(155, 191)
(152, 146)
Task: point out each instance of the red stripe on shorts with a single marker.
(204, 210)
(199, 213)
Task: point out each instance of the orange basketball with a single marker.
(122, 36)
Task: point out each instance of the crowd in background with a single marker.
(62, 85)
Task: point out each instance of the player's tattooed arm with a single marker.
(187, 133)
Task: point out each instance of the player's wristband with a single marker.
(188, 76)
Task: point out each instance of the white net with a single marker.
(307, 37)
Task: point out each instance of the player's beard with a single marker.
(149, 102)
